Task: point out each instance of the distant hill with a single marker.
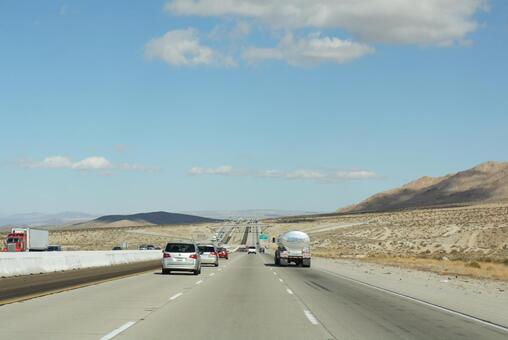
(485, 183)
(251, 213)
(142, 219)
(158, 217)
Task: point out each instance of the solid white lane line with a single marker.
(199, 282)
(176, 296)
(281, 280)
(117, 331)
(274, 273)
(212, 274)
(444, 309)
(311, 317)
(290, 292)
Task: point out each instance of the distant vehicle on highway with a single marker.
(148, 247)
(54, 247)
(242, 249)
(209, 254)
(293, 247)
(223, 253)
(252, 250)
(26, 239)
(181, 256)
(117, 248)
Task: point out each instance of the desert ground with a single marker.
(107, 238)
(470, 241)
(464, 240)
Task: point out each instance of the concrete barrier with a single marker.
(13, 264)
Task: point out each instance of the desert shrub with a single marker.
(473, 264)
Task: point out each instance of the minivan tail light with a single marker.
(166, 255)
(194, 256)
(213, 253)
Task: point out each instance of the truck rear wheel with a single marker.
(283, 262)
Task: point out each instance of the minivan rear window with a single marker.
(206, 249)
(180, 248)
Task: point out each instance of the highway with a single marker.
(246, 297)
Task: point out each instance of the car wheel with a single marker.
(165, 271)
(216, 264)
(196, 272)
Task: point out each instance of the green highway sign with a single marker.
(263, 237)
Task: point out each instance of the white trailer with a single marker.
(293, 247)
(34, 239)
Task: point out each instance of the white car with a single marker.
(252, 250)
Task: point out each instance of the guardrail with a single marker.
(13, 264)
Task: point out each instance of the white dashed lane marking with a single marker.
(176, 296)
(311, 317)
(117, 331)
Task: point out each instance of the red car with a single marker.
(223, 253)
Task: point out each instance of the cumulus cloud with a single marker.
(340, 30)
(183, 47)
(299, 174)
(425, 22)
(89, 163)
(312, 49)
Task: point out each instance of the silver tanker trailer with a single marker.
(293, 247)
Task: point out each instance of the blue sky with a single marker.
(178, 105)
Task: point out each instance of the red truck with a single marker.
(26, 239)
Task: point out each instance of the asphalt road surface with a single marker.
(246, 297)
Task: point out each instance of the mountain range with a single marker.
(40, 219)
(485, 183)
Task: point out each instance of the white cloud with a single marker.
(225, 170)
(312, 49)
(183, 47)
(299, 174)
(89, 163)
(53, 162)
(424, 22)
(354, 174)
(92, 163)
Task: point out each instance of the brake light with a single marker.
(213, 253)
(194, 256)
(166, 255)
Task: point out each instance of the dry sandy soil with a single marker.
(107, 238)
(467, 240)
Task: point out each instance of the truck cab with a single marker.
(15, 242)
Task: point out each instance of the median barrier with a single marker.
(14, 264)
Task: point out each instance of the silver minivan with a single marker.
(209, 254)
(181, 256)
